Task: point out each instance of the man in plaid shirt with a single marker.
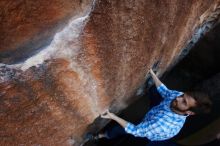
(165, 120)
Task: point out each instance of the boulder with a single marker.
(64, 62)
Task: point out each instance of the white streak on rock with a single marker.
(65, 43)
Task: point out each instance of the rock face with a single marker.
(27, 26)
(71, 60)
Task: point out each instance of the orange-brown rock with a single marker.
(27, 26)
(100, 67)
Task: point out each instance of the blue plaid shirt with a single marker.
(160, 123)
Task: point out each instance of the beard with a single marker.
(174, 105)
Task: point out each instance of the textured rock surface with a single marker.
(27, 26)
(98, 60)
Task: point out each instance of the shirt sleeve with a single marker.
(167, 93)
(137, 131)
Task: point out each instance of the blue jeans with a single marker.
(115, 132)
(118, 131)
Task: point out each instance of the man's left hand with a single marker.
(107, 115)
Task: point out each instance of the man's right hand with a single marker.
(155, 78)
(152, 72)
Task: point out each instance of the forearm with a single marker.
(119, 120)
(155, 78)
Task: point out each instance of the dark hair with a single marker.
(203, 102)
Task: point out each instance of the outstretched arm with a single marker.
(136, 130)
(108, 115)
(162, 89)
(155, 78)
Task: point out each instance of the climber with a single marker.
(163, 121)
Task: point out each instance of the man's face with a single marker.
(183, 103)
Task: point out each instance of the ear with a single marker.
(190, 113)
